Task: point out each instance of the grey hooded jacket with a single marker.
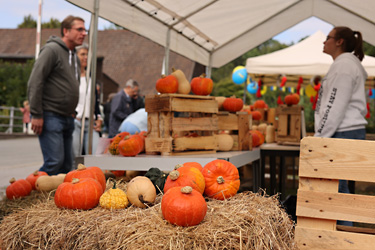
(54, 81)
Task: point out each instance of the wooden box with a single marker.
(239, 125)
(323, 162)
(289, 124)
(181, 124)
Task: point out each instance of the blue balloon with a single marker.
(239, 76)
(252, 87)
(373, 94)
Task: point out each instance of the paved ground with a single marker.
(18, 158)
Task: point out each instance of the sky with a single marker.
(12, 13)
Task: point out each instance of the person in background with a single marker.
(341, 106)
(107, 112)
(122, 106)
(53, 90)
(135, 122)
(26, 116)
(83, 110)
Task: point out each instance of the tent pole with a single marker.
(166, 54)
(209, 66)
(93, 73)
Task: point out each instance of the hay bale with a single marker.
(246, 221)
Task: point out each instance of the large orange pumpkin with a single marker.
(222, 179)
(113, 147)
(131, 145)
(18, 188)
(34, 176)
(167, 84)
(87, 172)
(233, 104)
(191, 164)
(185, 176)
(201, 85)
(183, 206)
(81, 193)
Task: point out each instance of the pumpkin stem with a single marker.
(178, 166)
(36, 172)
(12, 180)
(186, 190)
(173, 69)
(81, 167)
(220, 180)
(75, 180)
(114, 185)
(174, 175)
(140, 198)
(203, 75)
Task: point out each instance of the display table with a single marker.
(274, 151)
(144, 162)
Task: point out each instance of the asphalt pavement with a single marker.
(19, 157)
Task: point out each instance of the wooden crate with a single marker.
(289, 122)
(239, 125)
(172, 116)
(323, 162)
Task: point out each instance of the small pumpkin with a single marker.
(113, 147)
(34, 176)
(167, 84)
(260, 104)
(185, 176)
(225, 142)
(233, 104)
(222, 179)
(131, 145)
(18, 188)
(83, 193)
(201, 85)
(118, 173)
(256, 115)
(141, 192)
(191, 164)
(183, 206)
(114, 198)
(292, 99)
(48, 183)
(87, 172)
(257, 138)
(158, 178)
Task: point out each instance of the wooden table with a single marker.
(274, 151)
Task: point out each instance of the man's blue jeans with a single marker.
(56, 143)
(359, 134)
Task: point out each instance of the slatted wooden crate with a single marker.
(289, 124)
(172, 116)
(238, 124)
(323, 162)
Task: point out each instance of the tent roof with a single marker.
(214, 32)
(303, 58)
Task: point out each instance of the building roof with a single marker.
(126, 54)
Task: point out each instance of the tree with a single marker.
(30, 22)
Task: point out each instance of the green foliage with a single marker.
(30, 22)
(13, 82)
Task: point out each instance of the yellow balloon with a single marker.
(310, 91)
(263, 90)
(237, 68)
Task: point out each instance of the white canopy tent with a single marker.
(214, 32)
(301, 59)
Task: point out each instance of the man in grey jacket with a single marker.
(53, 90)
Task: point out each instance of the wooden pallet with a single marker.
(323, 162)
(239, 125)
(172, 117)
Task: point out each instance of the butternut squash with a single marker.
(183, 84)
(49, 183)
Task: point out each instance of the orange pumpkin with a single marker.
(222, 179)
(233, 104)
(34, 176)
(131, 145)
(113, 147)
(260, 104)
(81, 193)
(292, 99)
(87, 172)
(256, 115)
(18, 188)
(167, 84)
(201, 85)
(257, 138)
(185, 176)
(183, 206)
(118, 173)
(194, 165)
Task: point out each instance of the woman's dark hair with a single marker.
(352, 41)
(68, 22)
